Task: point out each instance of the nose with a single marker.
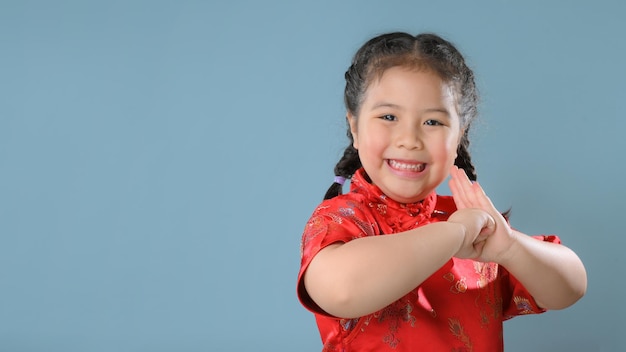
(409, 137)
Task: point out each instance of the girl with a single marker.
(394, 266)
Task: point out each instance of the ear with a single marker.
(352, 122)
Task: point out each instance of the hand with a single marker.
(470, 195)
(478, 225)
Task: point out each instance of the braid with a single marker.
(463, 159)
(346, 167)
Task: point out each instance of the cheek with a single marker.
(448, 150)
(454, 150)
(453, 145)
(379, 144)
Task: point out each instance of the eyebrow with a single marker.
(398, 107)
(387, 105)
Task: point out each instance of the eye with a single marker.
(433, 123)
(389, 117)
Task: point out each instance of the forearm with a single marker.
(365, 275)
(552, 273)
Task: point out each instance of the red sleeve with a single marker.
(337, 220)
(515, 298)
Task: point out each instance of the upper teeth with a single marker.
(404, 166)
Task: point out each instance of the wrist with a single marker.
(456, 225)
(458, 233)
(509, 256)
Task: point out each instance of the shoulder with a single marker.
(345, 205)
(339, 219)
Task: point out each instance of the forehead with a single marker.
(411, 86)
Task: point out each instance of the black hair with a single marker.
(428, 51)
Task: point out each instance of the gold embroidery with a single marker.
(523, 305)
(395, 315)
(448, 277)
(487, 274)
(459, 287)
(457, 330)
(314, 227)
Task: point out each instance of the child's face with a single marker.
(407, 133)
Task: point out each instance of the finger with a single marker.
(455, 195)
(458, 193)
(482, 198)
(481, 237)
(490, 225)
(462, 176)
(477, 249)
(463, 187)
(472, 193)
(500, 223)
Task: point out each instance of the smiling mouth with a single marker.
(404, 166)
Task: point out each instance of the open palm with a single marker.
(469, 194)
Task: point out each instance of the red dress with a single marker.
(460, 307)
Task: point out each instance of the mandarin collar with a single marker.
(416, 212)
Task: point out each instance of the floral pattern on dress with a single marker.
(395, 315)
(459, 309)
(491, 300)
(457, 330)
(314, 227)
(523, 305)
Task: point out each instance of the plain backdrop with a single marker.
(159, 159)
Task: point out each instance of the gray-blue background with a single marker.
(158, 160)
